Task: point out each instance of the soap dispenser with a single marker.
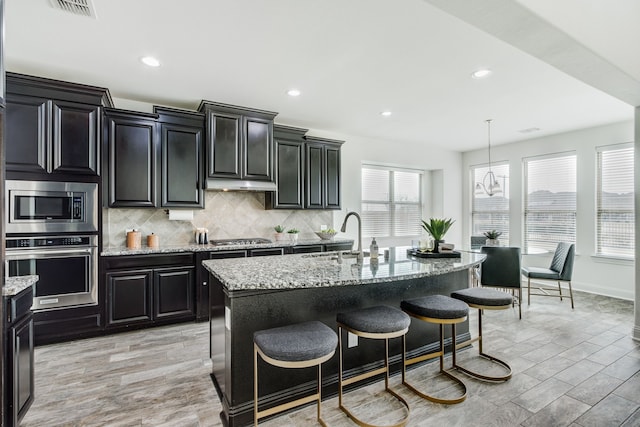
(373, 249)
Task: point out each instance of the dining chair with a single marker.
(501, 269)
(560, 270)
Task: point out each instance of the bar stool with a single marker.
(484, 299)
(294, 346)
(380, 323)
(442, 310)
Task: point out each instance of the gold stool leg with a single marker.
(493, 359)
(444, 372)
(385, 370)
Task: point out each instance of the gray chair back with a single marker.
(501, 268)
(562, 262)
(477, 242)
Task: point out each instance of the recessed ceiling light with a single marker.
(293, 92)
(480, 74)
(386, 113)
(150, 61)
(529, 130)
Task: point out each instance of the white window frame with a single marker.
(390, 202)
(570, 236)
(503, 227)
(627, 234)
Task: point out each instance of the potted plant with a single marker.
(437, 228)
(279, 232)
(293, 234)
(492, 237)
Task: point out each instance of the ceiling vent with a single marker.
(77, 7)
(529, 130)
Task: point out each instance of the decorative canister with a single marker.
(152, 241)
(134, 239)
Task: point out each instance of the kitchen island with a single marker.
(251, 294)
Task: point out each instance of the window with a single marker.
(614, 201)
(550, 201)
(391, 202)
(490, 212)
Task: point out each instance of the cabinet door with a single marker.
(224, 145)
(314, 177)
(75, 130)
(22, 383)
(181, 166)
(26, 134)
(332, 178)
(133, 156)
(289, 178)
(306, 249)
(257, 148)
(173, 290)
(129, 297)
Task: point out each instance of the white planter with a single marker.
(293, 237)
(492, 242)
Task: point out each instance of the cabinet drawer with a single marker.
(20, 305)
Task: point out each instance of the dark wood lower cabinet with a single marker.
(147, 290)
(19, 360)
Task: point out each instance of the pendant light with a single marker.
(489, 184)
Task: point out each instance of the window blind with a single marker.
(490, 212)
(615, 231)
(391, 202)
(550, 201)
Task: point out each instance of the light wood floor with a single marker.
(571, 368)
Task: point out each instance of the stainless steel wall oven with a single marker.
(67, 266)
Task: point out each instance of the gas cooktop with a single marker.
(234, 242)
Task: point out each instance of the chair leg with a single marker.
(560, 290)
(528, 290)
(520, 303)
(571, 294)
(255, 386)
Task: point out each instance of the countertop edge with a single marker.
(14, 285)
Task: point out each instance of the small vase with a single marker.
(293, 237)
(279, 237)
(436, 245)
(492, 242)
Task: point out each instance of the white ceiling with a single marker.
(351, 59)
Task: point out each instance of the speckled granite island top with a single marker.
(324, 269)
(167, 249)
(15, 285)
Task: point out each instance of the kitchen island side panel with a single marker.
(248, 311)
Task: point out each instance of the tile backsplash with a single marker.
(227, 215)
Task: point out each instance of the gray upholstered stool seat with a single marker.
(377, 320)
(300, 345)
(439, 309)
(382, 323)
(299, 342)
(436, 307)
(484, 297)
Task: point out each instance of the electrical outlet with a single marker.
(352, 340)
(323, 227)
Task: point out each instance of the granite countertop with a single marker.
(324, 269)
(192, 247)
(15, 285)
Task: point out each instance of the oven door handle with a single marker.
(32, 253)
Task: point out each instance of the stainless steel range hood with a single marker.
(239, 185)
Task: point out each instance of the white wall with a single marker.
(591, 273)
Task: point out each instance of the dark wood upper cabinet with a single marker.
(182, 134)
(53, 127)
(132, 157)
(289, 169)
(26, 134)
(224, 145)
(239, 142)
(322, 173)
(75, 137)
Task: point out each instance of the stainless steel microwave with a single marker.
(51, 207)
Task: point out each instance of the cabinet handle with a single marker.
(204, 283)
